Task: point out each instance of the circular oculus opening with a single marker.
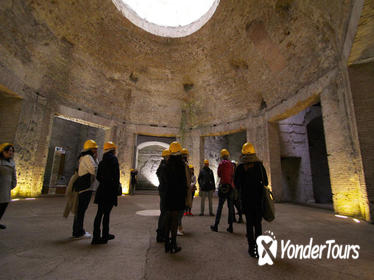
(168, 18)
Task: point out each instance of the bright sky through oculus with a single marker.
(170, 12)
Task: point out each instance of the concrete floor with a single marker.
(37, 245)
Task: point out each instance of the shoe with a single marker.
(201, 214)
(240, 220)
(230, 229)
(252, 251)
(109, 237)
(211, 214)
(190, 214)
(174, 248)
(2, 226)
(180, 233)
(96, 241)
(85, 235)
(185, 214)
(214, 228)
(234, 220)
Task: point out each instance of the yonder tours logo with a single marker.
(268, 246)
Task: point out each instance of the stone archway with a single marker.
(148, 158)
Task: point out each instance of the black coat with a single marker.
(250, 178)
(173, 176)
(108, 176)
(161, 178)
(206, 179)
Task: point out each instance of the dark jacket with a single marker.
(161, 178)
(206, 179)
(174, 178)
(108, 177)
(250, 178)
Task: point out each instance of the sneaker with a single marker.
(185, 214)
(180, 233)
(2, 226)
(87, 235)
(190, 214)
(214, 228)
(201, 214)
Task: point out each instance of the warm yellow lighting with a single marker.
(15, 199)
(341, 216)
(30, 198)
(356, 220)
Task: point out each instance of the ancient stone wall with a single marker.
(294, 145)
(71, 137)
(362, 86)
(10, 108)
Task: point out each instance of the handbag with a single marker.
(268, 210)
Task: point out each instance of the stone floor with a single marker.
(37, 245)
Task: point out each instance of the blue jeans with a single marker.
(230, 205)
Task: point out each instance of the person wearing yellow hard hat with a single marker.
(184, 152)
(207, 186)
(174, 177)
(250, 179)
(188, 209)
(85, 185)
(161, 191)
(225, 190)
(8, 177)
(106, 194)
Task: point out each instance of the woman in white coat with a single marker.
(8, 177)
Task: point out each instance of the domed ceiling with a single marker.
(250, 56)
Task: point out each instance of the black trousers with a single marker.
(103, 210)
(238, 207)
(84, 199)
(221, 201)
(253, 223)
(171, 225)
(162, 217)
(3, 206)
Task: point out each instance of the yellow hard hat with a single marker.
(132, 170)
(248, 149)
(2, 146)
(165, 153)
(90, 144)
(184, 151)
(206, 161)
(190, 166)
(109, 146)
(175, 148)
(224, 152)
